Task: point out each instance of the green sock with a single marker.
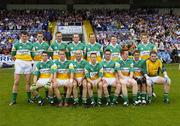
(59, 100)
(134, 97)
(50, 99)
(166, 95)
(108, 99)
(149, 97)
(84, 100)
(14, 96)
(67, 100)
(143, 95)
(125, 98)
(114, 98)
(76, 100)
(139, 95)
(99, 99)
(92, 99)
(28, 95)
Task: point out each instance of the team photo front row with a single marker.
(93, 82)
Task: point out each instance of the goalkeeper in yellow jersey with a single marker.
(153, 67)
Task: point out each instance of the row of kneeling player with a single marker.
(134, 73)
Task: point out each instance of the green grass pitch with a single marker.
(23, 114)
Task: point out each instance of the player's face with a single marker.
(78, 55)
(108, 55)
(153, 57)
(76, 38)
(59, 37)
(24, 38)
(113, 40)
(125, 55)
(62, 55)
(92, 39)
(93, 58)
(136, 56)
(144, 39)
(40, 37)
(45, 56)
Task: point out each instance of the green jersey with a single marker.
(73, 47)
(109, 68)
(93, 71)
(115, 51)
(79, 68)
(63, 69)
(145, 49)
(56, 47)
(38, 48)
(22, 51)
(139, 68)
(43, 69)
(126, 66)
(94, 48)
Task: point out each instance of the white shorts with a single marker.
(63, 82)
(79, 79)
(110, 81)
(23, 67)
(43, 81)
(153, 79)
(127, 80)
(94, 82)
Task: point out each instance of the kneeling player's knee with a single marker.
(55, 86)
(104, 86)
(118, 86)
(89, 85)
(84, 85)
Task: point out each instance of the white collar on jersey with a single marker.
(92, 44)
(20, 41)
(61, 61)
(76, 43)
(93, 64)
(58, 42)
(78, 61)
(46, 61)
(113, 45)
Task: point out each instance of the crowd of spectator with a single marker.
(126, 25)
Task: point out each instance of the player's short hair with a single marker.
(144, 34)
(58, 32)
(92, 34)
(113, 36)
(124, 50)
(62, 51)
(75, 34)
(44, 52)
(93, 54)
(40, 32)
(136, 51)
(153, 52)
(24, 33)
(107, 50)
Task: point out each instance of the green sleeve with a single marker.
(131, 69)
(87, 73)
(143, 67)
(53, 68)
(14, 49)
(71, 67)
(100, 73)
(37, 70)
